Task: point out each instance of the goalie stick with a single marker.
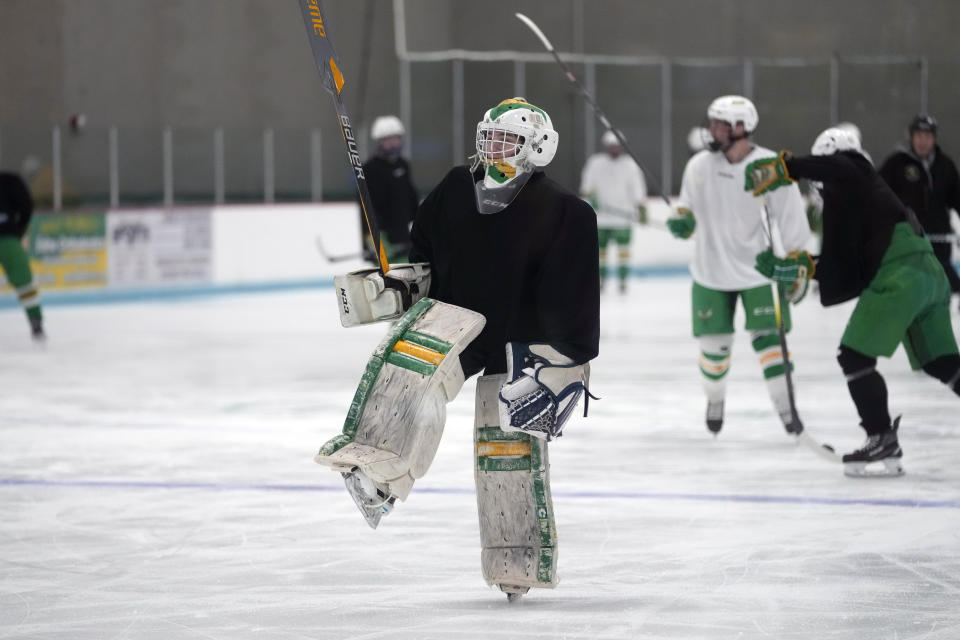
(328, 63)
(825, 451)
(601, 116)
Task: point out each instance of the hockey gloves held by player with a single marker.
(767, 174)
(682, 224)
(795, 271)
(366, 296)
(541, 391)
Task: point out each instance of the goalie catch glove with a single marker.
(767, 174)
(542, 389)
(365, 296)
(794, 271)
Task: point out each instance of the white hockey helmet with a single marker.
(698, 139)
(835, 139)
(610, 139)
(852, 129)
(536, 140)
(386, 126)
(734, 109)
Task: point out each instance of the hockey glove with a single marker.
(542, 389)
(365, 296)
(682, 224)
(768, 174)
(796, 270)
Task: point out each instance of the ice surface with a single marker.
(156, 482)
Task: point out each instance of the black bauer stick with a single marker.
(601, 116)
(328, 63)
(825, 451)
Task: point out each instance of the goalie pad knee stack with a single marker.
(395, 421)
(517, 530)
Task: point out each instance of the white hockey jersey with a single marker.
(617, 184)
(730, 227)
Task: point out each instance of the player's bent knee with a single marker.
(396, 419)
(854, 363)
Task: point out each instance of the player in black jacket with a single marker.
(926, 180)
(515, 246)
(504, 279)
(873, 249)
(16, 208)
(392, 192)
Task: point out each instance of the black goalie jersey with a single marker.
(532, 269)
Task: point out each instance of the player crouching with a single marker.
(502, 251)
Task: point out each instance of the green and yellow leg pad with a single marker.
(517, 531)
(395, 421)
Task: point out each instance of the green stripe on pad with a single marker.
(372, 372)
(494, 434)
(428, 341)
(411, 364)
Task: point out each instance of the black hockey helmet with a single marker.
(923, 122)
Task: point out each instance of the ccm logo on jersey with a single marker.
(343, 300)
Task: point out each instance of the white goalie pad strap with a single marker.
(366, 296)
(517, 531)
(395, 421)
(542, 389)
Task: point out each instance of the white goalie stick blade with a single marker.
(886, 468)
(825, 451)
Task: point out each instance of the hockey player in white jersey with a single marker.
(727, 229)
(613, 184)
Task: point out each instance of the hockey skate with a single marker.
(715, 416)
(36, 330)
(883, 448)
(792, 423)
(373, 502)
(513, 592)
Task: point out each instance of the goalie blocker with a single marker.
(366, 296)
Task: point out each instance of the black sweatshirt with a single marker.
(931, 194)
(16, 205)
(859, 213)
(393, 197)
(532, 269)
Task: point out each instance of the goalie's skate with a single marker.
(880, 456)
(372, 501)
(513, 592)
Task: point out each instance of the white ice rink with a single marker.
(156, 482)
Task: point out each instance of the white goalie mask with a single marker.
(835, 139)
(514, 137)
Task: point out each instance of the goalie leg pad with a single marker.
(517, 530)
(395, 421)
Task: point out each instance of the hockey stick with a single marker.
(601, 116)
(626, 214)
(340, 258)
(825, 451)
(327, 61)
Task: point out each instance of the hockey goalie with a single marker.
(503, 281)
